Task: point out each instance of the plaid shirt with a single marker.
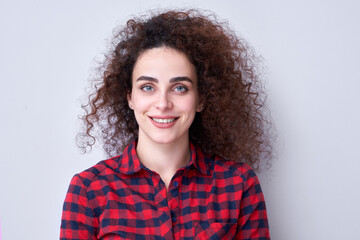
(120, 198)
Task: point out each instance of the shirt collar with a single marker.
(129, 162)
(199, 160)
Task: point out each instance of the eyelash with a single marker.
(185, 89)
(145, 88)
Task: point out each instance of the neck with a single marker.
(164, 159)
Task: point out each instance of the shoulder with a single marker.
(99, 170)
(232, 168)
(239, 175)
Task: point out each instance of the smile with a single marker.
(164, 120)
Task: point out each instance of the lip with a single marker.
(163, 125)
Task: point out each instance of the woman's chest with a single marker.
(135, 209)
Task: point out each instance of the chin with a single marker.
(164, 140)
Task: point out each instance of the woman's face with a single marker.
(164, 95)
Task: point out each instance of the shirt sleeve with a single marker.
(77, 221)
(253, 222)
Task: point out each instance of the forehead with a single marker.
(163, 62)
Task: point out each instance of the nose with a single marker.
(163, 102)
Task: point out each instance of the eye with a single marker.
(147, 88)
(180, 89)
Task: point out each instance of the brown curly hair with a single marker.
(233, 124)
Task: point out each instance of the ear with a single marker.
(128, 96)
(200, 106)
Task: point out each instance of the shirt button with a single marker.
(175, 184)
(173, 216)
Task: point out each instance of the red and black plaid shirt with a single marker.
(120, 198)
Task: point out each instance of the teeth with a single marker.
(159, 120)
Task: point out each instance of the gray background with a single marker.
(311, 50)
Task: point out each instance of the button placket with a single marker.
(173, 200)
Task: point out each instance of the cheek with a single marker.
(140, 103)
(189, 105)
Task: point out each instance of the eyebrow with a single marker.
(174, 79)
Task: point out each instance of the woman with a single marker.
(180, 98)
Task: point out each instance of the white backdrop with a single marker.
(311, 49)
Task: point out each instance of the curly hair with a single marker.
(234, 123)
